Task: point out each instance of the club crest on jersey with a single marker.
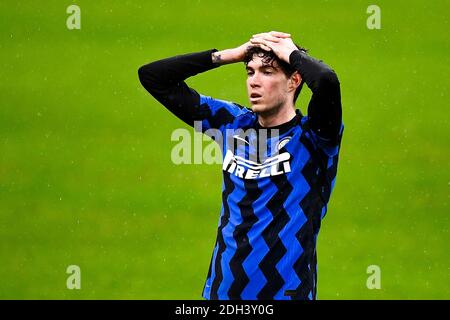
(283, 142)
(247, 169)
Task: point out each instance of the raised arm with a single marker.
(324, 109)
(164, 80)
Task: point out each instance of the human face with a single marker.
(267, 86)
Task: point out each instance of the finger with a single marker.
(271, 38)
(262, 44)
(267, 37)
(280, 34)
(258, 35)
(264, 47)
(257, 41)
(274, 34)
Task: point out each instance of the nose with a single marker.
(254, 81)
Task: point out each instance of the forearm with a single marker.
(170, 71)
(313, 71)
(324, 109)
(225, 57)
(164, 80)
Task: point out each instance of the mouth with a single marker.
(255, 97)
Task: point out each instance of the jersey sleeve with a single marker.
(330, 149)
(217, 114)
(324, 109)
(165, 81)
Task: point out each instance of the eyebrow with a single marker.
(261, 67)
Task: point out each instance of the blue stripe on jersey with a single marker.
(286, 265)
(266, 242)
(271, 189)
(212, 271)
(277, 250)
(257, 279)
(228, 189)
(234, 220)
(240, 234)
(207, 288)
(222, 113)
(260, 247)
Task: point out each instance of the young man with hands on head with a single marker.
(272, 205)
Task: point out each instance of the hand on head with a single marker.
(279, 42)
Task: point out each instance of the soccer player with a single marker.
(272, 205)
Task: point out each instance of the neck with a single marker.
(281, 115)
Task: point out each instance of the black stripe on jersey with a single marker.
(332, 171)
(276, 248)
(210, 264)
(229, 187)
(311, 205)
(240, 235)
(314, 270)
(220, 118)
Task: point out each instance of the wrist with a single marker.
(224, 56)
(289, 52)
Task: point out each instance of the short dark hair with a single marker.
(268, 57)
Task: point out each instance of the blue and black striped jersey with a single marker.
(272, 201)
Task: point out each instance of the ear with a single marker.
(295, 80)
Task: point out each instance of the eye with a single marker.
(267, 72)
(249, 73)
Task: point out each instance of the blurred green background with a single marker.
(85, 170)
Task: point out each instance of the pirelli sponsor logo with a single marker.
(247, 169)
